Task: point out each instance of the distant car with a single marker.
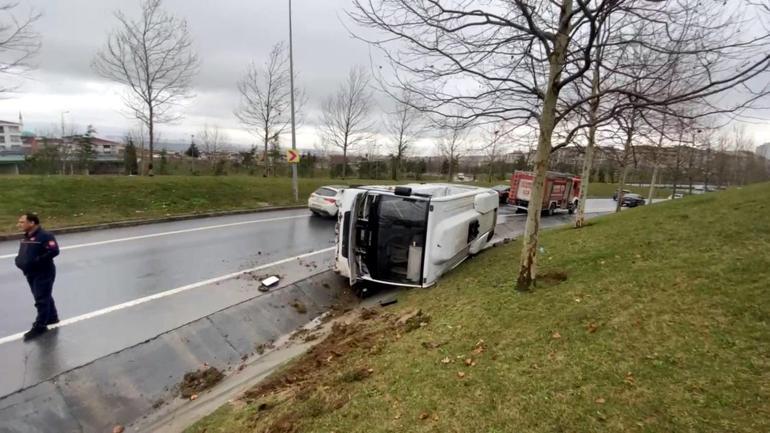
(632, 200)
(325, 200)
(675, 196)
(502, 192)
(615, 194)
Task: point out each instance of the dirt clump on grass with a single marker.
(195, 382)
(551, 278)
(321, 375)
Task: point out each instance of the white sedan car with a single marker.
(325, 200)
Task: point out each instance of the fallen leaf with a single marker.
(435, 417)
(468, 362)
(370, 371)
(446, 360)
(397, 416)
(555, 335)
(460, 374)
(424, 415)
(118, 429)
(600, 400)
(194, 397)
(592, 327)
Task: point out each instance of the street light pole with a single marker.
(294, 184)
(62, 123)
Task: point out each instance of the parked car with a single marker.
(675, 196)
(410, 235)
(502, 192)
(325, 200)
(632, 200)
(615, 194)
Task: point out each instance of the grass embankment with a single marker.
(64, 201)
(662, 325)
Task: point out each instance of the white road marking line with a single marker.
(175, 232)
(160, 295)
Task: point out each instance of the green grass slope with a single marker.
(64, 201)
(662, 325)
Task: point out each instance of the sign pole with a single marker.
(294, 183)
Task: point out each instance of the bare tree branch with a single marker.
(154, 58)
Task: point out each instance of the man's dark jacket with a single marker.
(36, 253)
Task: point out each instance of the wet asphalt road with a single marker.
(100, 275)
(109, 267)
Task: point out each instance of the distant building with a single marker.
(764, 150)
(10, 137)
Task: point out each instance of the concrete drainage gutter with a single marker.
(126, 386)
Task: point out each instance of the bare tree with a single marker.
(495, 145)
(19, 42)
(213, 141)
(452, 142)
(154, 58)
(346, 123)
(518, 60)
(404, 126)
(266, 97)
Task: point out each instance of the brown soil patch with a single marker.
(198, 381)
(551, 278)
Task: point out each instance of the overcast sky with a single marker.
(228, 34)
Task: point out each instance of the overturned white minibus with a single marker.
(410, 235)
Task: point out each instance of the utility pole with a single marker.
(294, 184)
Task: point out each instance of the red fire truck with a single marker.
(561, 191)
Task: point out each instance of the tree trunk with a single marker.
(151, 128)
(528, 260)
(652, 183)
(141, 152)
(589, 154)
(344, 160)
(624, 172)
(451, 165)
(266, 172)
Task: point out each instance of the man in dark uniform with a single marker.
(35, 259)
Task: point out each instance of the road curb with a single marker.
(142, 222)
(122, 387)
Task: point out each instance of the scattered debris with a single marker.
(432, 344)
(299, 306)
(263, 347)
(197, 381)
(367, 313)
(478, 348)
(356, 375)
(388, 301)
(592, 327)
(413, 319)
(270, 281)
